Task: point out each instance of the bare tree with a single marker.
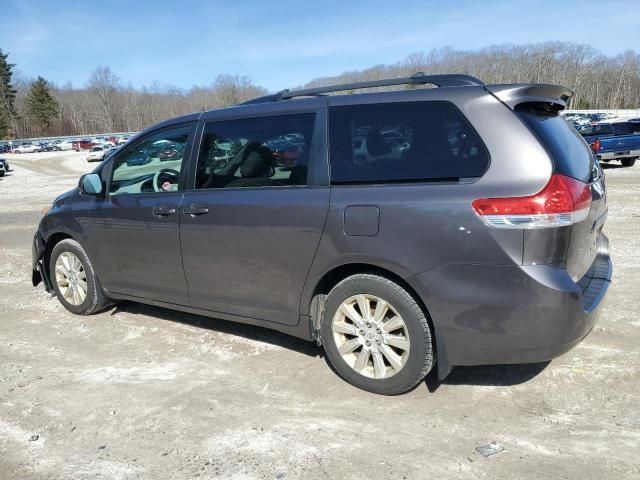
(105, 104)
(105, 86)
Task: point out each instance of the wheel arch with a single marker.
(338, 273)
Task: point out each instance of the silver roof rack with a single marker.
(419, 78)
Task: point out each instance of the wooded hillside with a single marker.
(106, 103)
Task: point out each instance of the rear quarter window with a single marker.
(403, 142)
(569, 152)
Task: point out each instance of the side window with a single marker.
(403, 142)
(256, 152)
(622, 129)
(152, 164)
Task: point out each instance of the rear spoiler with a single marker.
(514, 94)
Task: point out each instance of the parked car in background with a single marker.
(84, 144)
(27, 148)
(480, 243)
(5, 148)
(64, 145)
(110, 152)
(597, 117)
(96, 154)
(578, 119)
(614, 141)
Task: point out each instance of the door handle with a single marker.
(163, 210)
(196, 209)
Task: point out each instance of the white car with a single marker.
(64, 145)
(27, 148)
(96, 154)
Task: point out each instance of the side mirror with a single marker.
(91, 184)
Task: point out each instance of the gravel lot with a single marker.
(141, 392)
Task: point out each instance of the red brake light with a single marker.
(595, 145)
(562, 201)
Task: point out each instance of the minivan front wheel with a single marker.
(375, 335)
(74, 280)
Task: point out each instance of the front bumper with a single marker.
(485, 314)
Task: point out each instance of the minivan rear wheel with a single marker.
(74, 279)
(375, 335)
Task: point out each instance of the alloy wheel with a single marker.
(371, 336)
(71, 278)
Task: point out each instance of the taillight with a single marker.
(595, 145)
(563, 201)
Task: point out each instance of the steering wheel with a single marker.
(169, 172)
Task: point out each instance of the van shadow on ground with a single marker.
(250, 332)
(486, 375)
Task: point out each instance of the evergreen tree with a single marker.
(42, 108)
(7, 97)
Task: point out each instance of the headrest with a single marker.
(254, 165)
(375, 143)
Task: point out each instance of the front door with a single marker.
(135, 229)
(251, 226)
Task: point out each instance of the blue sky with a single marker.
(281, 44)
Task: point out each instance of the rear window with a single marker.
(569, 151)
(604, 129)
(403, 142)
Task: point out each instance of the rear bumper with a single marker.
(613, 156)
(486, 314)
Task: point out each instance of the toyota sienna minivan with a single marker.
(457, 225)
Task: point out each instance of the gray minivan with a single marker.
(458, 225)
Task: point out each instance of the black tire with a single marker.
(628, 162)
(95, 300)
(420, 359)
